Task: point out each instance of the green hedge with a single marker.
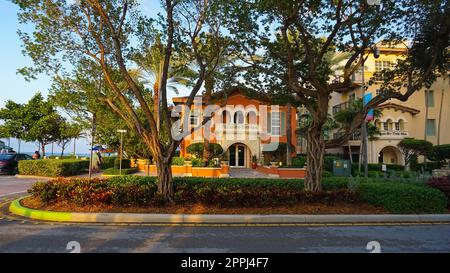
(298, 161)
(177, 161)
(62, 157)
(126, 163)
(427, 166)
(53, 167)
(397, 196)
(376, 167)
(132, 191)
(403, 198)
(389, 174)
(108, 162)
(114, 171)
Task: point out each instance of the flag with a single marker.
(367, 98)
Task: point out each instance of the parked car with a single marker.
(9, 162)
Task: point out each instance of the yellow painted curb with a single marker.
(18, 209)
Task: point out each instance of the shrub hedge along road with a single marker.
(124, 171)
(53, 167)
(442, 184)
(124, 191)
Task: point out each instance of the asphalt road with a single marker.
(9, 184)
(16, 236)
(30, 236)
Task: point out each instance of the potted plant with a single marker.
(188, 161)
(254, 161)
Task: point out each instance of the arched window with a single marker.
(378, 124)
(400, 125)
(388, 125)
(238, 117)
(225, 116)
(251, 118)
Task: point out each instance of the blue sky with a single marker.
(14, 87)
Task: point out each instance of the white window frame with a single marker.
(193, 117)
(380, 66)
(275, 129)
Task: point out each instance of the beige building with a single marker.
(426, 115)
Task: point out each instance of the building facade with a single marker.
(425, 115)
(245, 127)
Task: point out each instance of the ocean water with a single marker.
(67, 154)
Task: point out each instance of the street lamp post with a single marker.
(121, 131)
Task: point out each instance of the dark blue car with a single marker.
(9, 162)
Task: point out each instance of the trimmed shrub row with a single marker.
(142, 192)
(114, 171)
(389, 173)
(177, 161)
(126, 163)
(53, 167)
(234, 192)
(442, 184)
(108, 162)
(403, 198)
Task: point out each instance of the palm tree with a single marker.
(150, 70)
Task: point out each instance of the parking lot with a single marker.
(10, 184)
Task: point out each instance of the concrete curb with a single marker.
(18, 209)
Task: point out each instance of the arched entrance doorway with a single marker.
(239, 155)
(390, 155)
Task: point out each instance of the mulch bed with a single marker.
(338, 208)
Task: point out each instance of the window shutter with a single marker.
(283, 123)
(269, 122)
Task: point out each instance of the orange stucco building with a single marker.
(244, 126)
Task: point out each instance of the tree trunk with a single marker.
(43, 149)
(288, 135)
(165, 179)
(206, 152)
(209, 85)
(315, 151)
(156, 103)
(350, 152)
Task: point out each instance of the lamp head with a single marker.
(376, 52)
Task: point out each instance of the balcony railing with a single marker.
(354, 136)
(356, 77)
(339, 107)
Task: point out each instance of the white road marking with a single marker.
(12, 193)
